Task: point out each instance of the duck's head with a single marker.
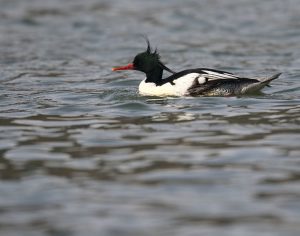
(147, 62)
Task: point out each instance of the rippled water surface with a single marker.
(81, 153)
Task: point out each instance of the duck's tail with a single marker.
(257, 86)
(266, 81)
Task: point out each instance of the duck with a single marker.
(190, 82)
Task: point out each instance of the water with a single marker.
(81, 153)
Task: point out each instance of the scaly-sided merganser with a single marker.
(191, 82)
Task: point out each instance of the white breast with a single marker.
(179, 88)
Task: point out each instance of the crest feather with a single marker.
(156, 54)
(149, 48)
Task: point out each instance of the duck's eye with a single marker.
(136, 62)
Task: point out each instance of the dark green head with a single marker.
(147, 62)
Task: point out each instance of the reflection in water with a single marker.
(81, 153)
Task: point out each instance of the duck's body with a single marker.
(203, 82)
(192, 82)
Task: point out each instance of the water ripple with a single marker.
(82, 153)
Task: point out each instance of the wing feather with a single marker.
(215, 75)
(205, 75)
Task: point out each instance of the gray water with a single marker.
(82, 153)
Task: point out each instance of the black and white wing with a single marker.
(210, 74)
(204, 75)
(215, 82)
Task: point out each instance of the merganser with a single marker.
(191, 82)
